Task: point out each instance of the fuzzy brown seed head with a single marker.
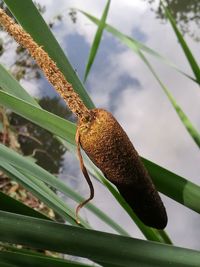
(108, 146)
(48, 66)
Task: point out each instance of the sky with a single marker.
(120, 82)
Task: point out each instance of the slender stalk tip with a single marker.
(48, 66)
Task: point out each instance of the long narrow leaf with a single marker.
(191, 59)
(20, 259)
(42, 192)
(135, 45)
(97, 40)
(182, 116)
(12, 86)
(95, 245)
(174, 186)
(45, 119)
(29, 17)
(27, 252)
(10, 204)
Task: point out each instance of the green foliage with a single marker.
(191, 59)
(97, 40)
(100, 247)
(105, 249)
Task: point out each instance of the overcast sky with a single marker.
(120, 82)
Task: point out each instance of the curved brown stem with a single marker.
(86, 175)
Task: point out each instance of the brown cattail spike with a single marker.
(108, 146)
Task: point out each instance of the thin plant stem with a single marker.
(86, 175)
(48, 66)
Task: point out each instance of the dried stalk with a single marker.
(48, 66)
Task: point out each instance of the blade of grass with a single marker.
(42, 192)
(26, 13)
(45, 119)
(135, 45)
(24, 251)
(182, 116)
(19, 259)
(10, 204)
(95, 245)
(97, 40)
(174, 186)
(9, 84)
(191, 59)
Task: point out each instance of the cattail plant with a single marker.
(101, 137)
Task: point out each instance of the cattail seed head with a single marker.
(108, 146)
(48, 66)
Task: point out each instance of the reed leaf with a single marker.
(98, 246)
(97, 40)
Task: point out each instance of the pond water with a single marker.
(120, 82)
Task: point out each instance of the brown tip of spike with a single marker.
(146, 203)
(108, 146)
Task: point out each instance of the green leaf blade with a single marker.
(97, 40)
(10, 204)
(45, 119)
(42, 192)
(182, 116)
(18, 258)
(135, 45)
(98, 246)
(174, 186)
(191, 59)
(9, 84)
